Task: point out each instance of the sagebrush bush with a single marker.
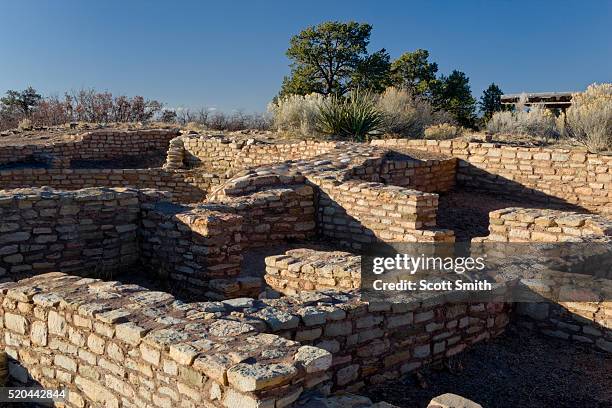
(353, 117)
(25, 124)
(407, 115)
(443, 131)
(537, 121)
(296, 113)
(589, 119)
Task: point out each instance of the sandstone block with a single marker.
(252, 377)
(314, 359)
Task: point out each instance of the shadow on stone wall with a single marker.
(477, 179)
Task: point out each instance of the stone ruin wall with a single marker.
(101, 231)
(554, 176)
(201, 247)
(541, 225)
(140, 348)
(428, 176)
(87, 232)
(120, 345)
(357, 213)
(224, 154)
(133, 347)
(572, 306)
(352, 207)
(94, 145)
(303, 269)
(187, 186)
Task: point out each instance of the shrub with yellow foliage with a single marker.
(589, 118)
(443, 131)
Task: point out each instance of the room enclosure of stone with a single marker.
(292, 331)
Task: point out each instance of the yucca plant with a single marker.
(353, 117)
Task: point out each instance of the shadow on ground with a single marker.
(518, 369)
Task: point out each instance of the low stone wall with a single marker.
(190, 248)
(136, 347)
(133, 347)
(373, 343)
(89, 232)
(582, 322)
(401, 169)
(101, 231)
(541, 225)
(272, 215)
(306, 269)
(95, 145)
(556, 176)
(355, 213)
(200, 248)
(187, 186)
(221, 153)
(570, 306)
(349, 210)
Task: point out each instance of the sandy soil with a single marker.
(467, 211)
(519, 369)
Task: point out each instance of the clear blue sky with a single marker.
(230, 54)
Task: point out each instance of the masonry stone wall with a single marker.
(400, 169)
(570, 306)
(272, 215)
(356, 213)
(187, 186)
(222, 154)
(351, 211)
(547, 175)
(377, 341)
(94, 145)
(89, 232)
(100, 231)
(118, 345)
(373, 343)
(200, 248)
(306, 269)
(545, 225)
(114, 345)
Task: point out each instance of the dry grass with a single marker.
(589, 119)
(407, 115)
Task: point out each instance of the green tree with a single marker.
(302, 81)
(332, 58)
(21, 102)
(490, 101)
(452, 93)
(413, 71)
(372, 73)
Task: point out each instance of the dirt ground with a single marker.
(467, 211)
(519, 369)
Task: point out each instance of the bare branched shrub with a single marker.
(88, 105)
(537, 121)
(589, 118)
(211, 119)
(443, 131)
(51, 111)
(296, 113)
(408, 115)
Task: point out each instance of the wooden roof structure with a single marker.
(559, 100)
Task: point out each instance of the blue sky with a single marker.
(231, 54)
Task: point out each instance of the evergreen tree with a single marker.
(332, 58)
(490, 101)
(452, 93)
